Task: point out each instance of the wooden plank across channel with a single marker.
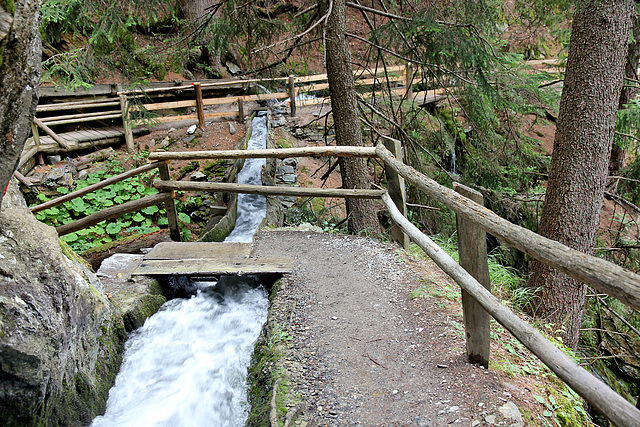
(208, 258)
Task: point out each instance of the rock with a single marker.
(290, 162)
(233, 68)
(198, 176)
(278, 121)
(285, 169)
(511, 412)
(289, 178)
(61, 337)
(190, 138)
(188, 75)
(52, 160)
(171, 130)
(192, 129)
(232, 129)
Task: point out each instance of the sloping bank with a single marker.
(62, 332)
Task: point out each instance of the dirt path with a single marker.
(362, 351)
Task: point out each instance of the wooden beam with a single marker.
(278, 153)
(472, 250)
(126, 124)
(199, 106)
(76, 105)
(214, 266)
(113, 212)
(170, 206)
(51, 133)
(88, 118)
(602, 275)
(292, 95)
(267, 190)
(94, 187)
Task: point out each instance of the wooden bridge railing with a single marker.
(602, 275)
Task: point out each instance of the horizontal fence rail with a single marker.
(271, 153)
(599, 273)
(264, 190)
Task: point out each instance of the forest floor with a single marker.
(372, 335)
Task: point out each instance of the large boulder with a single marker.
(61, 339)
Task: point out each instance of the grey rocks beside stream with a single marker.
(61, 338)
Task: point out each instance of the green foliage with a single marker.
(108, 29)
(105, 231)
(9, 6)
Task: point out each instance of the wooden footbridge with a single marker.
(208, 259)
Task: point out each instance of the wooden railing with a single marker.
(473, 218)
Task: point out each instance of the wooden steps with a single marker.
(208, 259)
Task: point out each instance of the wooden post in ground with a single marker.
(408, 81)
(472, 250)
(52, 134)
(126, 123)
(292, 95)
(396, 188)
(170, 206)
(36, 140)
(240, 110)
(199, 105)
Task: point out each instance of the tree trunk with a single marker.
(582, 148)
(618, 153)
(344, 104)
(196, 11)
(20, 52)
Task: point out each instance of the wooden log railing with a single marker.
(479, 303)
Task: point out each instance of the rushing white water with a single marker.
(251, 208)
(187, 365)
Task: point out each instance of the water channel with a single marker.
(187, 365)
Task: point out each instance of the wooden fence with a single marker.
(479, 305)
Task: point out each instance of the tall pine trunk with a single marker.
(581, 153)
(344, 104)
(20, 52)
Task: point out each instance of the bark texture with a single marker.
(582, 148)
(618, 153)
(20, 52)
(344, 105)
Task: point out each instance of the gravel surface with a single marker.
(362, 351)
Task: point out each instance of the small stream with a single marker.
(187, 365)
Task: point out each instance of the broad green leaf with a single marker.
(113, 228)
(163, 220)
(138, 217)
(150, 210)
(540, 399)
(71, 237)
(62, 190)
(184, 217)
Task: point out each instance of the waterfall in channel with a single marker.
(187, 365)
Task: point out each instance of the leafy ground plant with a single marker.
(147, 220)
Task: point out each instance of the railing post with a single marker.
(170, 206)
(292, 95)
(126, 123)
(36, 140)
(472, 250)
(199, 104)
(240, 110)
(408, 81)
(396, 188)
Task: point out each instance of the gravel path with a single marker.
(362, 352)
